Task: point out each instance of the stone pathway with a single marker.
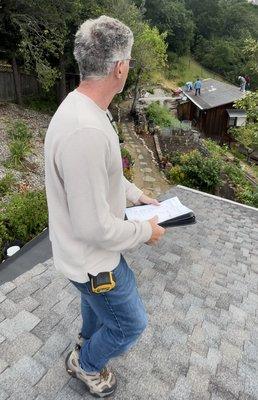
(147, 175)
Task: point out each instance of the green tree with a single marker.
(248, 135)
(41, 35)
(250, 51)
(221, 55)
(10, 39)
(149, 47)
(249, 103)
(206, 16)
(150, 52)
(172, 17)
(222, 28)
(45, 31)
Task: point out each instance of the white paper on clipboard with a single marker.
(167, 209)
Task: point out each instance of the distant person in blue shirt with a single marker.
(197, 86)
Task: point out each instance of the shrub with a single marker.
(127, 156)
(245, 193)
(120, 133)
(214, 148)
(235, 174)
(175, 158)
(19, 149)
(47, 104)
(255, 198)
(26, 215)
(128, 173)
(6, 183)
(3, 236)
(196, 171)
(176, 124)
(159, 115)
(19, 130)
(176, 175)
(128, 162)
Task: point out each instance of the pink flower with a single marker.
(126, 163)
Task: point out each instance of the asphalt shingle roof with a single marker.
(200, 289)
(214, 93)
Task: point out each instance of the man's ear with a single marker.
(118, 70)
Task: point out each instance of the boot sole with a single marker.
(74, 375)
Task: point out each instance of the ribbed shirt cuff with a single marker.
(147, 231)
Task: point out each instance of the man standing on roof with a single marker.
(86, 194)
(242, 83)
(197, 86)
(248, 82)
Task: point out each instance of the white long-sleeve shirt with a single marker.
(86, 191)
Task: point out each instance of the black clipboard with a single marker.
(181, 220)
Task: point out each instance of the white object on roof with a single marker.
(212, 89)
(12, 250)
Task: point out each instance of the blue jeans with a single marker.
(112, 321)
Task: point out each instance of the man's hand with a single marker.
(157, 231)
(146, 200)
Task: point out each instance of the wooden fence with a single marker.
(29, 86)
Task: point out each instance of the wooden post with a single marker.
(17, 81)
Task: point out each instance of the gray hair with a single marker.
(98, 43)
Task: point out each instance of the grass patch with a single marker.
(255, 169)
(6, 184)
(19, 150)
(19, 130)
(159, 115)
(215, 149)
(182, 69)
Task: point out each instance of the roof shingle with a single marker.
(200, 289)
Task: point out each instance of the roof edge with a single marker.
(201, 108)
(217, 197)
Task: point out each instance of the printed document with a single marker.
(167, 210)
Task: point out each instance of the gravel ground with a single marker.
(31, 177)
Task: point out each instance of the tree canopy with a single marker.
(40, 35)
